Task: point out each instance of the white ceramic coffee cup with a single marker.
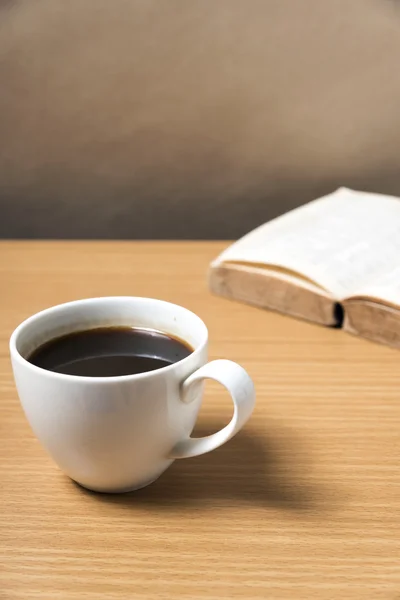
(117, 434)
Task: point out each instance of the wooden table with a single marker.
(303, 504)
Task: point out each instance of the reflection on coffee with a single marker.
(110, 352)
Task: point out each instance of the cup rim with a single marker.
(17, 356)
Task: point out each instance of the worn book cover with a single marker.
(334, 261)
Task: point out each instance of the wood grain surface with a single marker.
(304, 503)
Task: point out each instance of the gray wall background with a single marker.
(191, 118)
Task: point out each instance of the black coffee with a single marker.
(109, 352)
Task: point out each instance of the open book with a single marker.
(334, 261)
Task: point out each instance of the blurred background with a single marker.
(191, 118)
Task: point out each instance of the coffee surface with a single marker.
(109, 352)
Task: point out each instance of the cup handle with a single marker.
(241, 388)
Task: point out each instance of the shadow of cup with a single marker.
(270, 470)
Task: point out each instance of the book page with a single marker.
(385, 288)
(342, 241)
